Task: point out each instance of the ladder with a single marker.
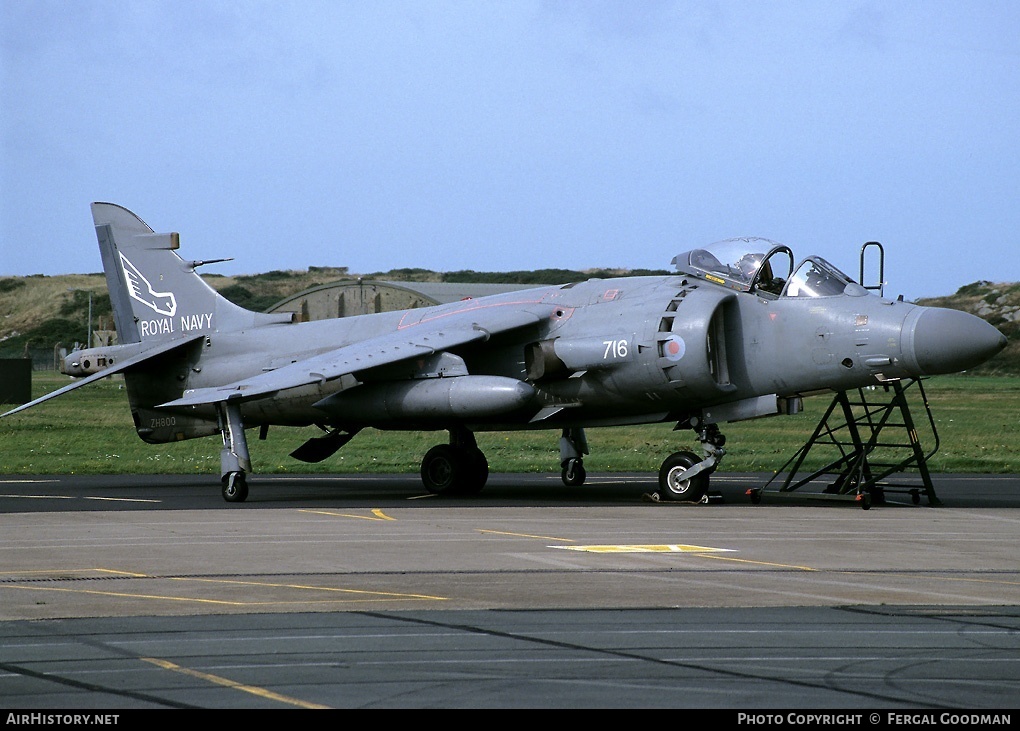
(870, 440)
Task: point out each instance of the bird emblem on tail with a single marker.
(165, 303)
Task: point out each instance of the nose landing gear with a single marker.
(683, 475)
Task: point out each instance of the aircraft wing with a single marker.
(425, 337)
(121, 366)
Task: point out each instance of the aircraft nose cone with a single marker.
(949, 341)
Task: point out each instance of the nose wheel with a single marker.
(679, 478)
(683, 476)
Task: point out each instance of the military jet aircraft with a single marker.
(736, 333)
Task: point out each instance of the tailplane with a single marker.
(157, 295)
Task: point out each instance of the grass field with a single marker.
(89, 431)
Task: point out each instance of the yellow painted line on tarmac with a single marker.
(526, 535)
(368, 597)
(59, 574)
(763, 563)
(703, 551)
(377, 514)
(134, 574)
(663, 548)
(226, 682)
(349, 595)
(52, 573)
(306, 587)
(125, 595)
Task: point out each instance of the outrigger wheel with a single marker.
(235, 487)
(573, 447)
(573, 472)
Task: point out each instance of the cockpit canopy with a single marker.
(766, 268)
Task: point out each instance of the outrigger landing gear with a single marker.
(683, 475)
(234, 459)
(457, 468)
(573, 444)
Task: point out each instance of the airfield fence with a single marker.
(43, 359)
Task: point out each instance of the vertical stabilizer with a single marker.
(157, 295)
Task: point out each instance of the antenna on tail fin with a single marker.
(157, 295)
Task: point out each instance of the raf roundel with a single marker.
(674, 348)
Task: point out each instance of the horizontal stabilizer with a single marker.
(120, 367)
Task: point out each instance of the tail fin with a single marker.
(156, 295)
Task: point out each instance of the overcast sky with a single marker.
(518, 134)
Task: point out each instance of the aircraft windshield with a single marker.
(816, 277)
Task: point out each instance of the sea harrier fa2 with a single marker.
(738, 332)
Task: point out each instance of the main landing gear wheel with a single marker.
(478, 471)
(454, 470)
(671, 487)
(235, 487)
(573, 473)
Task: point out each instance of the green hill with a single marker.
(40, 314)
